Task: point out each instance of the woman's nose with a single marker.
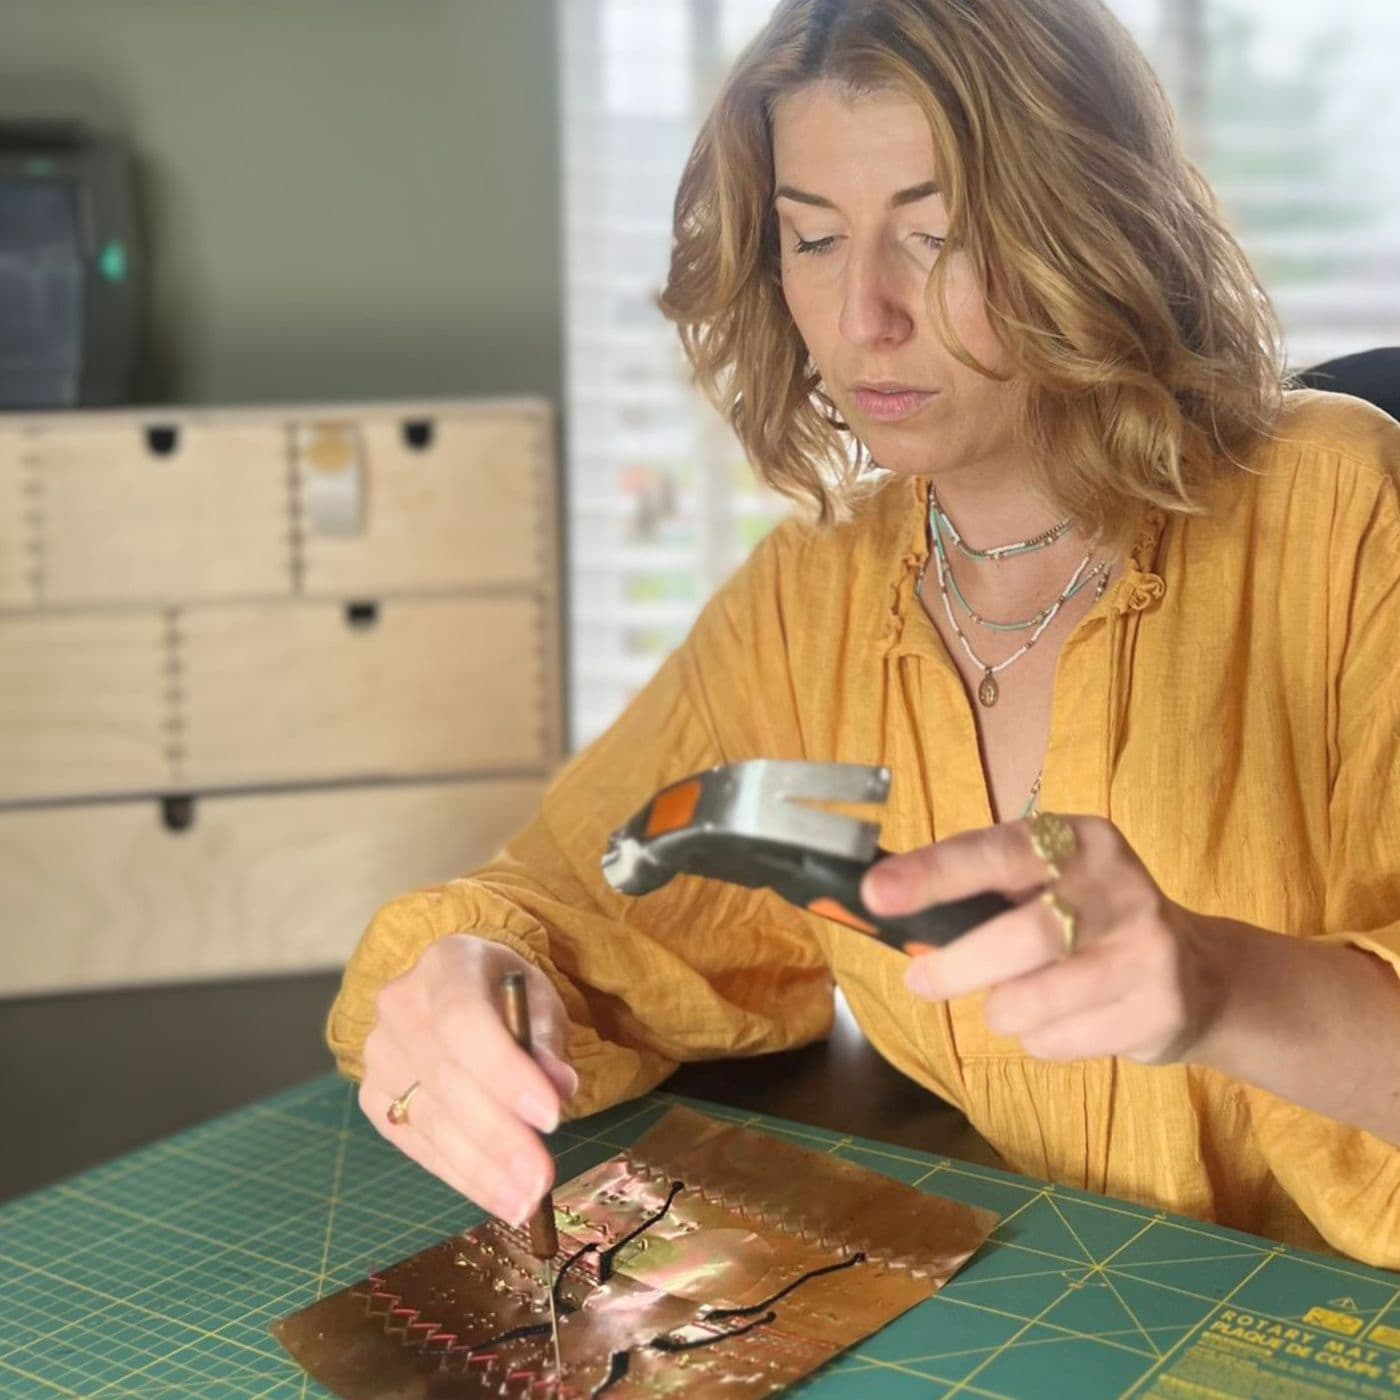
(874, 310)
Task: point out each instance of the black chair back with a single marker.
(1373, 375)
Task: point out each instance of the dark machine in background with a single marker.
(71, 286)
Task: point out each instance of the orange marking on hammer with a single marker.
(673, 808)
(828, 908)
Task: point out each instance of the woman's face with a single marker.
(861, 224)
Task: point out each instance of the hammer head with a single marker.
(733, 820)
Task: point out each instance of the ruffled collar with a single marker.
(1140, 586)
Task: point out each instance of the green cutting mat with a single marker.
(159, 1274)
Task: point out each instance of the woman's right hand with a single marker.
(481, 1098)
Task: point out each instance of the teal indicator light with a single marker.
(111, 261)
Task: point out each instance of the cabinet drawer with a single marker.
(82, 704)
(301, 692)
(18, 541)
(471, 506)
(106, 895)
(135, 512)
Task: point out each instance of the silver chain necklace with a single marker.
(988, 690)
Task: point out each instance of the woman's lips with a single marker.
(890, 407)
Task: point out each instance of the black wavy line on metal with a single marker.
(711, 1316)
(667, 1344)
(561, 1304)
(516, 1334)
(605, 1259)
(618, 1367)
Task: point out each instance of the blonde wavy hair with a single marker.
(1146, 356)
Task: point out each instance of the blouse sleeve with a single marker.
(1345, 1180)
(695, 970)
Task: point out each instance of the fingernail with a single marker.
(540, 1112)
(918, 979)
(562, 1073)
(518, 1213)
(880, 889)
(518, 1199)
(525, 1205)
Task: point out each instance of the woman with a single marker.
(1107, 567)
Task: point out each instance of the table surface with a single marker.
(128, 1067)
(159, 1274)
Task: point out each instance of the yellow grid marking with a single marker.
(40, 1380)
(1194, 1331)
(1066, 1335)
(336, 1177)
(1100, 1270)
(1011, 1341)
(875, 1363)
(124, 1302)
(1069, 1333)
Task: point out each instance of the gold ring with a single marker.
(1052, 839)
(1069, 922)
(398, 1109)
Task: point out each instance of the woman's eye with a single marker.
(818, 246)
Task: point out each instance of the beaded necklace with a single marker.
(937, 521)
(998, 551)
(988, 691)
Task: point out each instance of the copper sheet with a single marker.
(672, 1311)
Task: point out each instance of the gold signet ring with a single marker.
(398, 1110)
(1069, 923)
(1052, 839)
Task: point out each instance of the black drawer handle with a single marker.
(361, 616)
(418, 433)
(162, 441)
(177, 812)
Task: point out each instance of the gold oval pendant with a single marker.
(989, 691)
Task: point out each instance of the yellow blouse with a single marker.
(1232, 703)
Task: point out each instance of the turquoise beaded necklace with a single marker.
(940, 526)
(938, 521)
(999, 551)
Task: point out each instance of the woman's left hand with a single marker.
(1140, 977)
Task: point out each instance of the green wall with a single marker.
(344, 198)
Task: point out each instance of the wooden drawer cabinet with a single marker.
(82, 705)
(163, 512)
(332, 633)
(106, 894)
(419, 686)
(17, 584)
(444, 504)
